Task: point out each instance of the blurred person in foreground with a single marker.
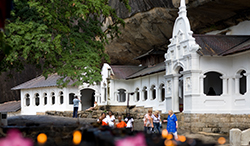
(156, 121)
(102, 120)
(121, 124)
(130, 122)
(110, 119)
(148, 122)
(172, 124)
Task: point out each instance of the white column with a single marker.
(97, 97)
(248, 81)
(49, 97)
(224, 85)
(31, 100)
(237, 84)
(176, 93)
(56, 97)
(40, 98)
(158, 94)
(126, 96)
(202, 84)
(102, 94)
(230, 86)
(148, 90)
(66, 96)
(116, 96)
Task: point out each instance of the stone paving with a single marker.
(45, 120)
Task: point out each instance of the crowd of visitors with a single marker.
(152, 122)
(109, 120)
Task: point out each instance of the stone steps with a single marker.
(136, 112)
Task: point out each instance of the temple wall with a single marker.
(150, 81)
(213, 123)
(33, 109)
(230, 101)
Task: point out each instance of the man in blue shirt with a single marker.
(76, 104)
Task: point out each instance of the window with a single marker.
(45, 98)
(71, 97)
(153, 92)
(27, 100)
(37, 102)
(137, 94)
(121, 95)
(61, 97)
(53, 98)
(213, 84)
(145, 93)
(243, 83)
(162, 92)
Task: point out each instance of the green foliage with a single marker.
(63, 37)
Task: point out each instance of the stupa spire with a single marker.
(182, 8)
(183, 3)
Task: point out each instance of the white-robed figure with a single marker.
(110, 119)
(130, 122)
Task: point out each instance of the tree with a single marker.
(60, 36)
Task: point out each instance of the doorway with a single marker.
(180, 90)
(87, 98)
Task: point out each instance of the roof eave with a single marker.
(145, 74)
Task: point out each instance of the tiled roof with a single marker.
(123, 71)
(152, 51)
(41, 82)
(11, 106)
(222, 45)
(149, 70)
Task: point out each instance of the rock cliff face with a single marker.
(6, 94)
(150, 23)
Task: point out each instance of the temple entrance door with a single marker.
(180, 90)
(87, 98)
(181, 93)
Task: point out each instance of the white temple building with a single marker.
(197, 74)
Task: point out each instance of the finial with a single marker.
(182, 8)
(183, 3)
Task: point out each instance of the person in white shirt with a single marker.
(156, 121)
(148, 122)
(102, 120)
(110, 119)
(76, 105)
(130, 122)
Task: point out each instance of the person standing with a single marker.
(130, 122)
(76, 101)
(172, 123)
(156, 121)
(148, 122)
(111, 119)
